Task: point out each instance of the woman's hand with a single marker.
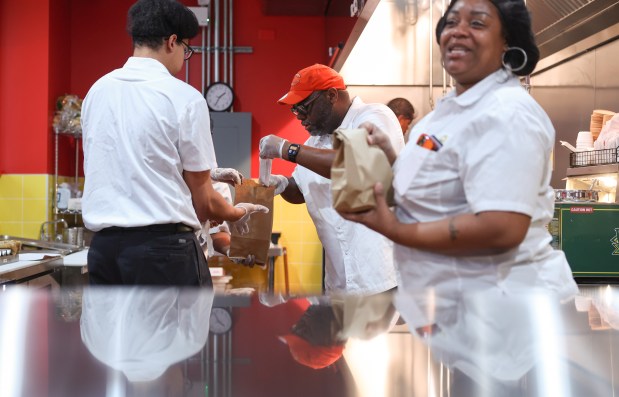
(378, 219)
(378, 137)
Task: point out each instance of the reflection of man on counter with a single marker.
(145, 333)
(357, 260)
(148, 156)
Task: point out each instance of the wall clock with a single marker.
(219, 97)
(220, 320)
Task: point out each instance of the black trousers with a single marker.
(152, 255)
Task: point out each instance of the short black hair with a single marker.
(516, 26)
(151, 21)
(402, 106)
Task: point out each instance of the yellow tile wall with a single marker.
(304, 250)
(24, 204)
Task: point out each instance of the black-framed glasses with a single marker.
(187, 50)
(304, 108)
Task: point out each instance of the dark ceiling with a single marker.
(306, 7)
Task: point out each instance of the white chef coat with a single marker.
(357, 259)
(495, 157)
(142, 127)
(143, 331)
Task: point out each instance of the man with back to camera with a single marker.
(357, 260)
(148, 155)
(404, 111)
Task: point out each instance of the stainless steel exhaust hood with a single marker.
(560, 23)
(393, 40)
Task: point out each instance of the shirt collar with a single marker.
(352, 110)
(479, 90)
(151, 64)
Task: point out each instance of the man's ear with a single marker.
(171, 42)
(332, 94)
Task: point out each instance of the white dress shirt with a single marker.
(495, 157)
(357, 259)
(142, 127)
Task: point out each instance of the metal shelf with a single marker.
(55, 209)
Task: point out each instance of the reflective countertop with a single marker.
(137, 341)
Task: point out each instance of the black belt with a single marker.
(163, 228)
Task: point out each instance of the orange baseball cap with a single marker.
(312, 356)
(313, 78)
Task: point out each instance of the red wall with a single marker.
(24, 49)
(53, 47)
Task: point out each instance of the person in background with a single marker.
(357, 259)
(404, 111)
(472, 187)
(148, 156)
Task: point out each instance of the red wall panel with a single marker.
(24, 115)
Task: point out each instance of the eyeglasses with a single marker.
(304, 109)
(188, 51)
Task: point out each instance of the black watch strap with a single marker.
(293, 150)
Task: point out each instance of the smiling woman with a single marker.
(466, 219)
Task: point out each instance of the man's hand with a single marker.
(279, 181)
(227, 175)
(271, 147)
(241, 225)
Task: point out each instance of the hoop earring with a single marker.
(508, 66)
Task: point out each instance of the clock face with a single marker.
(219, 97)
(220, 320)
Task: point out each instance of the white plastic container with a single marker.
(62, 196)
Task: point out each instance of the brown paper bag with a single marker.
(356, 169)
(258, 240)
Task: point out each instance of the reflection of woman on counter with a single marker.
(472, 185)
(145, 332)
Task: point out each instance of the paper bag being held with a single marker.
(258, 240)
(356, 169)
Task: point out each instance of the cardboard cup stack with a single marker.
(597, 121)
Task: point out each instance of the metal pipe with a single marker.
(231, 27)
(216, 364)
(229, 360)
(187, 70)
(225, 40)
(216, 41)
(203, 57)
(208, 49)
(55, 198)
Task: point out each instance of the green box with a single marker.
(588, 233)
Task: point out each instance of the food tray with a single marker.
(593, 157)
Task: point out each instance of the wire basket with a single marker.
(594, 157)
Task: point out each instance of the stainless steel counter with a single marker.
(37, 272)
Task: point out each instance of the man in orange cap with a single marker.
(357, 259)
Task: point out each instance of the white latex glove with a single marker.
(241, 225)
(279, 181)
(227, 175)
(271, 147)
